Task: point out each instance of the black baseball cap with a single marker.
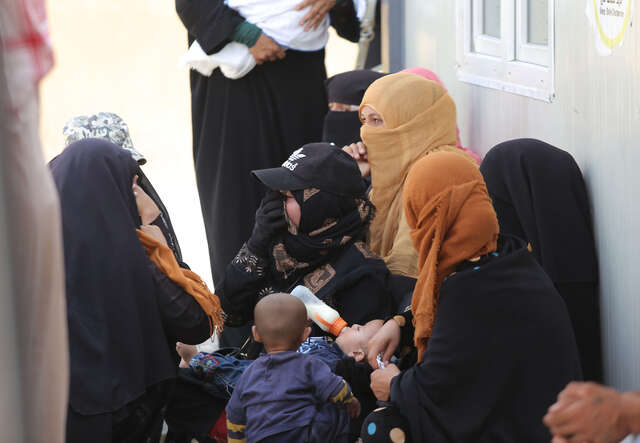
(316, 165)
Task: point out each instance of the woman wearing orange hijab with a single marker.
(494, 340)
(404, 118)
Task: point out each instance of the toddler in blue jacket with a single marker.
(285, 395)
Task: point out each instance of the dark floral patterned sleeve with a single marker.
(246, 280)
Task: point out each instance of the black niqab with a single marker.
(343, 128)
(117, 344)
(328, 256)
(539, 195)
(329, 224)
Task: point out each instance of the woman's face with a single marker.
(342, 107)
(370, 117)
(292, 208)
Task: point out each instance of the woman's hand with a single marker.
(154, 232)
(266, 50)
(359, 152)
(384, 342)
(268, 222)
(381, 381)
(318, 11)
(147, 209)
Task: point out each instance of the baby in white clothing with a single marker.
(278, 19)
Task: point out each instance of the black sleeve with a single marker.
(344, 19)
(402, 289)
(183, 318)
(357, 374)
(245, 281)
(363, 297)
(211, 22)
(407, 330)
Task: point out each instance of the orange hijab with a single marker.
(419, 117)
(191, 282)
(451, 219)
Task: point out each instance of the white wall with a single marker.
(595, 116)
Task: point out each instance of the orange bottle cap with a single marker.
(337, 326)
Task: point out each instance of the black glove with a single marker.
(269, 220)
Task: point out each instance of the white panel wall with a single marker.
(596, 117)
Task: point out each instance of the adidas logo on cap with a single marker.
(297, 155)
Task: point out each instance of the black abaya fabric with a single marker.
(545, 188)
(341, 128)
(502, 349)
(116, 341)
(138, 421)
(344, 19)
(246, 124)
(583, 304)
(539, 195)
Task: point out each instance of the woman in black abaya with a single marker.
(250, 123)
(323, 250)
(494, 340)
(539, 195)
(124, 314)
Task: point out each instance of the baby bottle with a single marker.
(319, 312)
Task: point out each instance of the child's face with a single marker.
(353, 339)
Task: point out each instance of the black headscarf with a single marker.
(116, 340)
(328, 223)
(539, 195)
(327, 254)
(349, 87)
(164, 222)
(343, 128)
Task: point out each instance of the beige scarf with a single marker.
(420, 118)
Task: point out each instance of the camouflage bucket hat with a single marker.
(105, 125)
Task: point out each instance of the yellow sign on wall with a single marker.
(610, 20)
